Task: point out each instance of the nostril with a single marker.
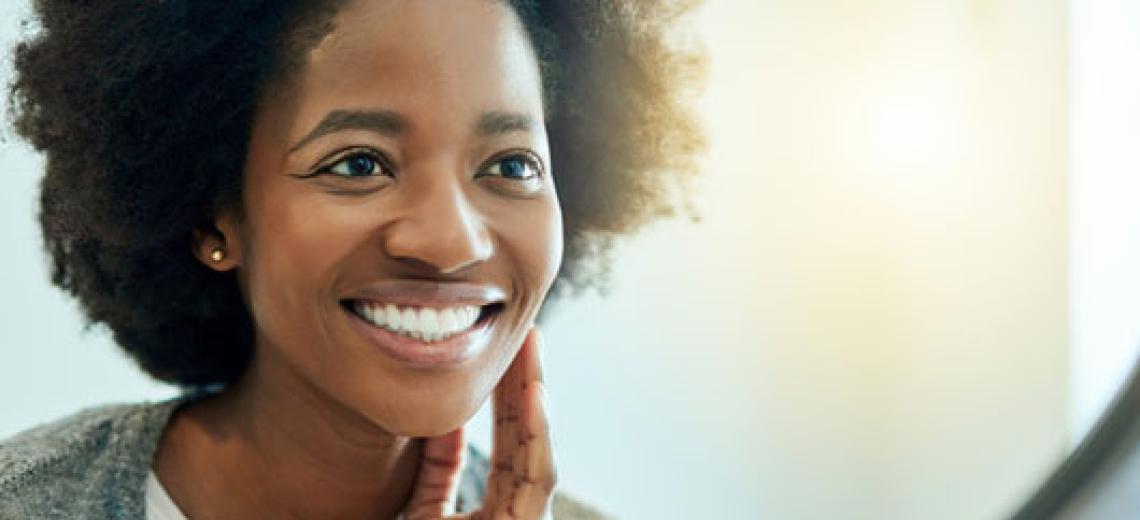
(442, 232)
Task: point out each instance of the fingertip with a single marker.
(535, 361)
(455, 437)
(539, 339)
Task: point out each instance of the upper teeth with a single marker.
(425, 324)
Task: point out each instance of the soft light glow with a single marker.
(913, 128)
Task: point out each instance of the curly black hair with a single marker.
(143, 110)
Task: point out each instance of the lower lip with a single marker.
(444, 353)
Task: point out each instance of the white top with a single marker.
(159, 506)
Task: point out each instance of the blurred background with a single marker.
(913, 289)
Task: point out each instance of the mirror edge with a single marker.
(1118, 428)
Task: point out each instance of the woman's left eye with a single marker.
(516, 167)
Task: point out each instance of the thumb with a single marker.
(433, 494)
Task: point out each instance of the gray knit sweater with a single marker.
(93, 464)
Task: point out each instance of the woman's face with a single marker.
(405, 168)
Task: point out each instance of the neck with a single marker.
(324, 459)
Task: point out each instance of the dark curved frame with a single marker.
(1116, 432)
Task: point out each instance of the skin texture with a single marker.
(320, 407)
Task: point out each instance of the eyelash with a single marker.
(381, 163)
(378, 160)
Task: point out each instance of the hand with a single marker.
(522, 478)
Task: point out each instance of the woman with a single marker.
(334, 223)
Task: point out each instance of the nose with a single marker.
(439, 227)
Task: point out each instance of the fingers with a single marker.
(437, 482)
(523, 477)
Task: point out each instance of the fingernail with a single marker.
(539, 347)
(546, 409)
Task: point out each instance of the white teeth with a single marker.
(409, 320)
(393, 316)
(429, 321)
(423, 324)
(376, 315)
(448, 321)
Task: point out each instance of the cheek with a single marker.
(297, 244)
(554, 245)
(534, 243)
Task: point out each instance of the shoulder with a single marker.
(473, 480)
(80, 435)
(78, 465)
(567, 507)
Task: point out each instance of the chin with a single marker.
(428, 428)
(429, 423)
(426, 416)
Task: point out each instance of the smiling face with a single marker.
(400, 225)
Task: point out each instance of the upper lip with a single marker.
(426, 293)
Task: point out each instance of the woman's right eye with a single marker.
(358, 164)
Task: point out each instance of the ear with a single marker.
(219, 246)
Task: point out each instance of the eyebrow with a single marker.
(498, 123)
(389, 123)
(384, 122)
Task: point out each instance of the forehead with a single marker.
(435, 61)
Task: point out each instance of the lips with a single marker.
(416, 353)
(426, 324)
(425, 293)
